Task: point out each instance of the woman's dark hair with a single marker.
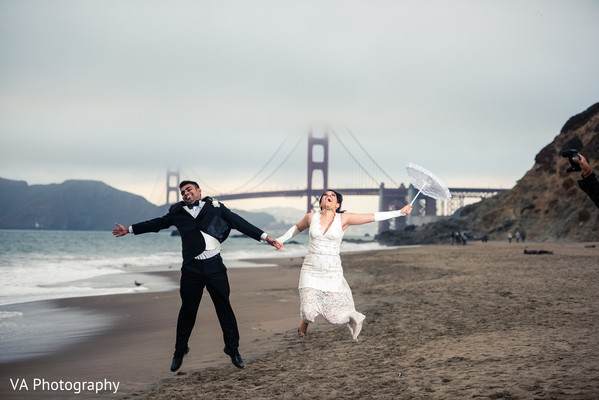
(339, 199)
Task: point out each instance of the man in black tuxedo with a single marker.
(203, 224)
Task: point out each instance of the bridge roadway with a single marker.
(389, 198)
(477, 192)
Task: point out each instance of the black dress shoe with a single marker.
(178, 360)
(235, 357)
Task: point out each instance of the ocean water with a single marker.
(46, 265)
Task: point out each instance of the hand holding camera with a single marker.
(571, 155)
(589, 182)
(577, 162)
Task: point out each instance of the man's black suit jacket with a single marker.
(214, 219)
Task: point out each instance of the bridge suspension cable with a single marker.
(263, 167)
(353, 157)
(161, 193)
(370, 157)
(202, 184)
(251, 184)
(280, 164)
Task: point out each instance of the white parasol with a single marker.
(427, 182)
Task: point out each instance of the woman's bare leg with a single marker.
(303, 327)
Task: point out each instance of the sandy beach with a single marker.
(442, 322)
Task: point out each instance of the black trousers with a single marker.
(212, 274)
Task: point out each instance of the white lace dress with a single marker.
(323, 289)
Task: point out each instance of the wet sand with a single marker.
(135, 347)
(442, 322)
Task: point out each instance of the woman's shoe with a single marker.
(350, 327)
(355, 324)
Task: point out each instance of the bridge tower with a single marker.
(172, 186)
(321, 164)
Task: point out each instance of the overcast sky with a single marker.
(120, 91)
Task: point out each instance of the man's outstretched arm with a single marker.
(120, 230)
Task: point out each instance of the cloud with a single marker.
(116, 89)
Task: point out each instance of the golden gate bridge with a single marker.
(390, 197)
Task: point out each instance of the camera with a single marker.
(572, 154)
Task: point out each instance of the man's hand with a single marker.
(120, 230)
(585, 168)
(273, 242)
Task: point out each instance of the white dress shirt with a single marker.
(212, 244)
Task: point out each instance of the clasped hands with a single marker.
(274, 243)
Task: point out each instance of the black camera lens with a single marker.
(571, 154)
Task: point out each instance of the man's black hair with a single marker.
(184, 183)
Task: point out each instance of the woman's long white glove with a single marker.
(383, 215)
(289, 234)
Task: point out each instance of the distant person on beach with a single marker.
(589, 182)
(203, 224)
(322, 287)
(458, 237)
(464, 238)
(509, 237)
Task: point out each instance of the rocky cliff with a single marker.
(83, 205)
(546, 203)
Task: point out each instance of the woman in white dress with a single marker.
(323, 289)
